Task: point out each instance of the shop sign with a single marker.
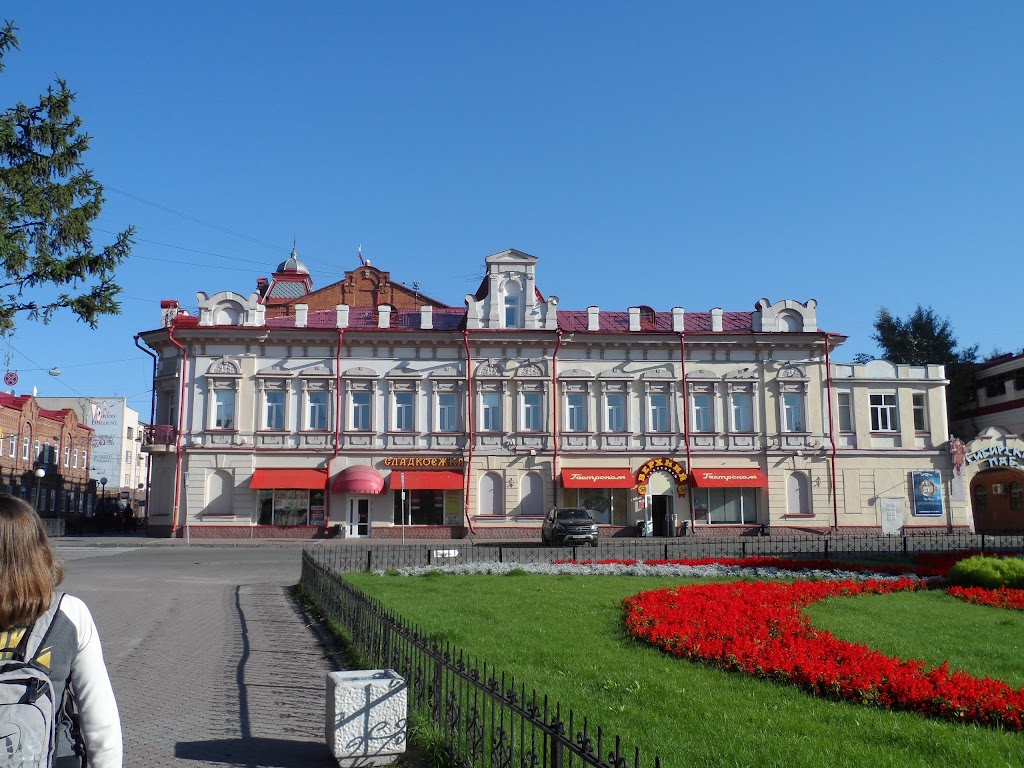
(997, 456)
(927, 493)
(424, 462)
(651, 466)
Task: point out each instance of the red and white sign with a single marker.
(729, 478)
(597, 478)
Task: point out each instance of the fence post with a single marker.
(369, 559)
(666, 552)
(826, 549)
(905, 547)
(743, 549)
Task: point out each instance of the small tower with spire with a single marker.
(290, 281)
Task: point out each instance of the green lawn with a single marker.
(564, 636)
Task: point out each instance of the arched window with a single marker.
(492, 495)
(532, 495)
(789, 322)
(797, 494)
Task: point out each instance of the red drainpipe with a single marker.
(181, 421)
(152, 418)
(686, 415)
(469, 430)
(554, 412)
(337, 429)
(831, 430)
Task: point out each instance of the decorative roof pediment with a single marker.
(742, 373)
(491, 368)
(225, 367)
(530, 370)
(792, 372)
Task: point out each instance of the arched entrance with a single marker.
(661, 492)
(997, 496)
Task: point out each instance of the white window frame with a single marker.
(920, 404)
(74, 459)
(576, 411)
(273, 397)
(794, 412)
(403, 410)
(747, 398)
(314, 411)
(85, 459)
(447, 412)
(884, 412)
(532, 410)
(222, 398)
(355, 394)
(12, 446)
(659, 414)
(67, 455)
(490, 411)
(702, 418)
(26, 447)
(616, 414)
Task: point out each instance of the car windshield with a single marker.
(572, 514)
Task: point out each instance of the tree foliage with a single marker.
(48, 201)
(923, 338)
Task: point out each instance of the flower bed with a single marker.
(758, 628)
(997, 598)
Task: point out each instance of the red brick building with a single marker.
(33, 438)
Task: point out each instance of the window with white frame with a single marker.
(702, 401)
(920, 412)
(793, 412)
(274, 404)
(576, 412)
(447, 412)
(615, 411)
(660, 419)
(533, 411)
(85, 459)
(224, 406)
(74, 459)
(490, 412)
(37, 451)
(883, 413)
(67, 455)
(360, 406)
(317, 403)
(741, 408)
(404, 411)
(844, 403)
(12, 445)
(513, 306)
(25, 448)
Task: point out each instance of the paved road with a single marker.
(211, 662)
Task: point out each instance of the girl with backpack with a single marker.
(51, 662)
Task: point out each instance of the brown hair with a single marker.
(28, 570)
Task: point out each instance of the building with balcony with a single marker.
(391, 414)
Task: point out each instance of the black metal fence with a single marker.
(486, 719)
(352, 556)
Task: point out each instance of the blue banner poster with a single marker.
(927, 493)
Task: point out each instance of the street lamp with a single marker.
(40, 474)
(103, 487)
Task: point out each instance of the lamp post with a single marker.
(103, 497)
(40, 474)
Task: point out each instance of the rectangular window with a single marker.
(85, 463)
(128, 457)
(37, 451)
(404, 411)
(845, 402)
(616, 410)
(576, 412)
(793, 412)
(74, 459)
(25, 448)
(361, 411)
(130, 433)
(67, 455)
(532, 412)
(224, 409)
(512, 310)
(317, 404)
(447, 412)
(659, 413)
(883, 413)
(702, 414)
(274, 409)
(920, 412)
(742, 404)
(12, 447)
(492, 411)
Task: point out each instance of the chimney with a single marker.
(678, 315)
(716, 319)
(593, 318)
(426, 318)
(342, 311)
(301, 313)
(634, 318)
(383, 316)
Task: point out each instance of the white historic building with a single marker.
(286, 416)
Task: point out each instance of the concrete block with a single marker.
(367, 716)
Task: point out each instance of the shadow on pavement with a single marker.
(258, 753)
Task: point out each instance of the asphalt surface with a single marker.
(211, 661)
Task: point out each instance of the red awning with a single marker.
(730, 478)
(426, 481)
(358, 479)
(598, 478)
(265, 479)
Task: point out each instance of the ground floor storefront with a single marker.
(506, 497)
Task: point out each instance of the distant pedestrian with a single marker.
(73, 658)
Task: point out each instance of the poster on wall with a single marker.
(927, 493)
(453, 510)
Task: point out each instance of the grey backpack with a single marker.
(28, 705)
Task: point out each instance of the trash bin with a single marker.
(643, 528)
(684, 527)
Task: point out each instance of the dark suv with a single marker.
(568, 525)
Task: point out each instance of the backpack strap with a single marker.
(36, 638)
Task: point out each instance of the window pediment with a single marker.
(360, 373)
(224, 368)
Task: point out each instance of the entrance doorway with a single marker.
(358, 517)
(661, 516)
(997, 496)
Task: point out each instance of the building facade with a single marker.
(991, 462)
(371, 419)
(117, 455)
(44, 457)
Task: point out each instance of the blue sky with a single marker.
(863, 154)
